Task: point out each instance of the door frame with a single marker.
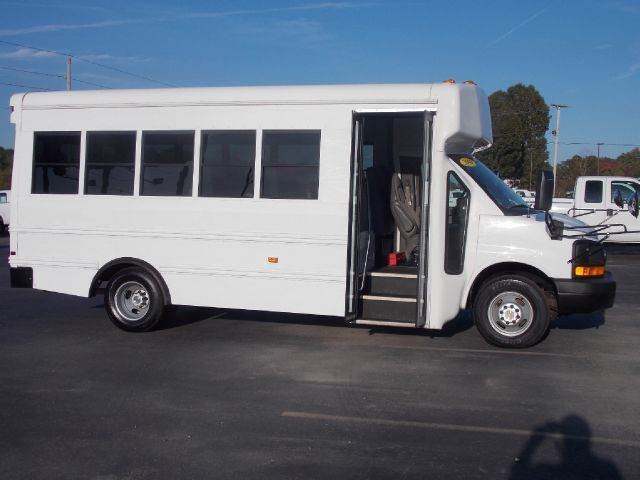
(352, 290)
(421, 297)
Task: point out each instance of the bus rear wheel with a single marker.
(512, 311)
(134, 300)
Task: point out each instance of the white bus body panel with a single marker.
(215, 251)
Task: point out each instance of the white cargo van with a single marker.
(288, 199)
(5, 211)
(605, 201)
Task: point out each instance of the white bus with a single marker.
(358, 201)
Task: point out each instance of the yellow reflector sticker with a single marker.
(589, 271)
(272, 259)
(467, 162)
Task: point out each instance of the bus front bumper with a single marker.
(585, 295)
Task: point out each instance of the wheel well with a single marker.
(109, 269)
(532, 273)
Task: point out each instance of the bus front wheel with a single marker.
(512, 311)
(134, 300)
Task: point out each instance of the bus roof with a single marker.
(302, 94)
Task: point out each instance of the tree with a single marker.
(6, 162)
(626, 165)
(571, 169)
(520, 119)
(630, 162)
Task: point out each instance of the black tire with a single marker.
(534, 328)
(150, 295)
(3, 228)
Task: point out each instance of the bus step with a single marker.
(388, 308)
(392, 284)
(383, 323)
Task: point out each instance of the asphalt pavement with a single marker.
(238, 394)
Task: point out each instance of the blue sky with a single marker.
(584, 53)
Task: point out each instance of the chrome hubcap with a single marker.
(510, 314)
(132, 301)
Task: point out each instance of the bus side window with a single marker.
(290, 164)
(56, 162)
(456, 224)
(110, 163)
(3, 198)
(227, 163)
(167, 163)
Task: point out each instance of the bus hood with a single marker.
(578, 226)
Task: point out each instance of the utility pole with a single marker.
(68, 75)
(530, 168)
(599, 144)
(556, 140)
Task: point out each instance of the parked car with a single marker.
(526, 194)
(4, 210)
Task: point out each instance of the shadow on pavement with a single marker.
(179, 316)
(579, 321)
(182, 316)
(572, 439)
(461, 323)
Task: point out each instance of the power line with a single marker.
(549, 142)
(91, 62)
(25, 86)
(605, 144)
(31, 71)
(46, 74)
(75, 79)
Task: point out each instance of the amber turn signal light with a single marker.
(589, 271)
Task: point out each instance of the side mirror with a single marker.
(618, 199)
(634, 207)
(544, 191)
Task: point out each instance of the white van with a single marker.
(5, 211)
(288, 199)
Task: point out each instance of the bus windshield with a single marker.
(507, 200)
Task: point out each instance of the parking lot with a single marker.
(234, 394)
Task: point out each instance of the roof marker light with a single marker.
(469, 82)
(449, 80)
